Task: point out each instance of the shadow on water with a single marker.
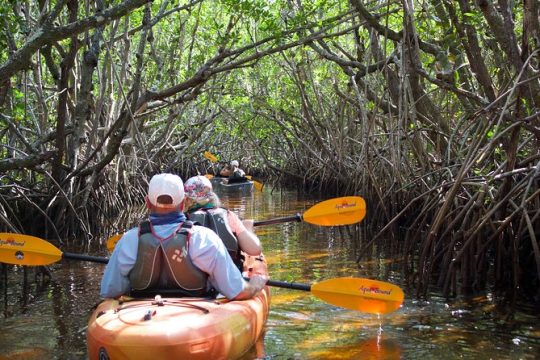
(48, 320)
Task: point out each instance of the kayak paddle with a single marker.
(366, 295)
(210, 156)
(22, 249)
(111, 242)
(258, 185)
(345, 210)
(333, 212)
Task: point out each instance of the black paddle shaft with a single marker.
(275, 283)
(95, 259)
(296, 217)
(286, 285)
(289, 285)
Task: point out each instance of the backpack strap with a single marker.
(188, 224)
(144, 227)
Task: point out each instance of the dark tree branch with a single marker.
(47, 35)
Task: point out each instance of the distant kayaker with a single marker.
(236, 171)
(226, 171)
(204, 207)
(168, 252)
(233, 172)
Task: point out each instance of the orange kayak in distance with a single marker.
(178, 328)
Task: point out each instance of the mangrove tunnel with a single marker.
(429, 110)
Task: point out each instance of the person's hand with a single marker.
(258, 281)
(248, 223)
(255, 284)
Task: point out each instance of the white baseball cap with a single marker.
(234, 163)
(166, 184)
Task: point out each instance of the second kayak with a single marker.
(222, 184)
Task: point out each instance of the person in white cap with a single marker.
(204, 207)
(237, 173)
(233, 172)
(166, 252)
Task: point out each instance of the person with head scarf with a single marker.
(226, 171)
(204, 207)
(167, 251)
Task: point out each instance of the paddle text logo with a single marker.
(345, 205)
(12, 242)
(374, 290)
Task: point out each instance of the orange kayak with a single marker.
(178, 328)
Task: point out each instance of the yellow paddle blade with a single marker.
(258, 185)
(339, 211)
(111, 242)
(210, 156)
(21, 249)
(370, 296)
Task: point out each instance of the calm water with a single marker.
(50, 321)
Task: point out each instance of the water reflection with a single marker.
(50, 321)
(50, 324)
(374, 348)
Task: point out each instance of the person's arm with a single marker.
(255, 284)
(208, 253)
(115, 281)
(247, 239)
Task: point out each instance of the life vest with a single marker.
(165, 264)
(217, 220)
(238, 173)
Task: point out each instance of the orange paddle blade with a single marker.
(339, 211)
(209, 176)
(210, 156)
(21, 249)
(111, 242)
(370, 296)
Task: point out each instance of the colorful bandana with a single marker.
(199, 189)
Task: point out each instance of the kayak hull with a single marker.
(183, 328)
(222, 185)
